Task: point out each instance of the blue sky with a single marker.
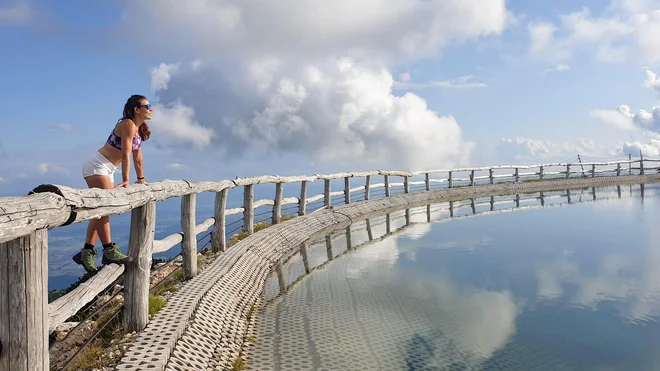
(244, 89)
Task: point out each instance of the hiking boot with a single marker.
(113, 255)
(85, 257)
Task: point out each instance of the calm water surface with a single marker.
(559, 287)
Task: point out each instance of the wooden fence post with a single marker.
(427, 180)
(629, 164)
(472, 177)
(328, 246)
(305, 259)
(137, 273)
(449, 180)
(641, 163)
(370, 233)
(326, 193)
(406, 184)
(349, 238)
(189, 243)
(248, 206)
(24, 303)
(277, 208)
(367, 187)
(387, 185)
(218, 237)
(593, 170)
(302, 202)
(516, 175)
(541, 172)
(347, 190)
(568, 171)
(280, 278)
(490, 175)
(618, 169)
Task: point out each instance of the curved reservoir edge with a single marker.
(333, 256)
(222, 296)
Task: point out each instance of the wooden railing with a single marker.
(26, 318)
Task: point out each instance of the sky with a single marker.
(247, 88)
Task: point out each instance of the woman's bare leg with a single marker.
(99, 227)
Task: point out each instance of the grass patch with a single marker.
(257, 227)
(156, 303)
(171, 284)
(261, 226)
(250, 312)
(88, 359)
(238, 364)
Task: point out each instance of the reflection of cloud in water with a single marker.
(363, 312)
(483, 321)
(468, 244)
(382, 254)
(631, 279)
(417, 231)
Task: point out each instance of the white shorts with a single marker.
(99, 165)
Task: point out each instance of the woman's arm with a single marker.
(139, 169)
(128, 131)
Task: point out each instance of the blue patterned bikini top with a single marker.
(115, 141)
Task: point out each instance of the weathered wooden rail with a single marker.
(26, 318)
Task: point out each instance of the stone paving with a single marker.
(205, 325)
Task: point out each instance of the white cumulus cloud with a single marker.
(652, 148)
(642, 121)
(303, 28)
(307, 77)
(652, 81)
(530, 149)
(335, 111)
(618, 118)
(463, 82)
(625, 31)
(175, 165)
(160, 76)
(177, 122)
(624, 118)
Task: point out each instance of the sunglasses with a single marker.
(145, 105)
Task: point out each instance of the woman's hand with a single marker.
(142, 181)
(122, 185)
